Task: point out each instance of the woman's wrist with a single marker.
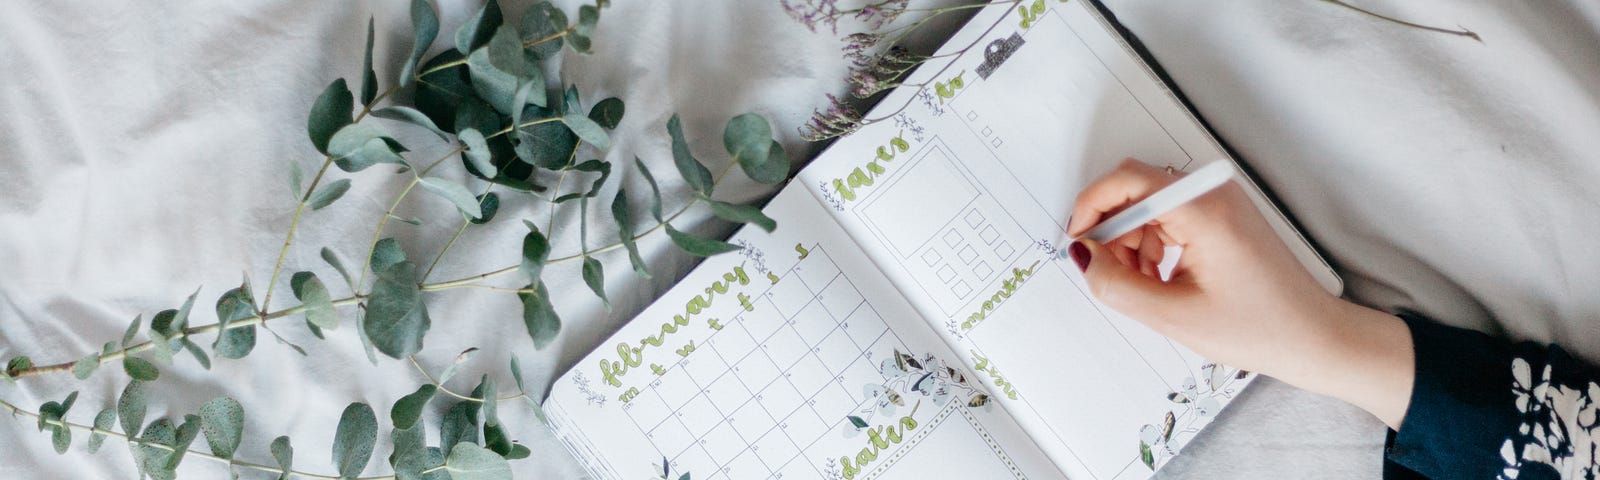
(1360, 355)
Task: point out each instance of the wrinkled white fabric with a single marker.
(145, 151)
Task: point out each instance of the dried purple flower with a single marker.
(838, 119)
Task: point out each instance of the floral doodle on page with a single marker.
(928, 377)
(1193, 406)
(589, 394)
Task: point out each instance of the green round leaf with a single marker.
(396, 318)
(488, 203)
(748, 139)
(408, 409)
(703, 247)
(328, 194)
(283, 453)
(140, 369)
(696, 174)
(331, 112)
(222, 420)
(471, 462)
(425, 24)
(354, 439)
(85, 367)
(314, 296)
(535, 251)
(131, 408)
(369, 79)
(742, 214)
(539, 316)
(594, 274)
(587, 130)
(235, 341)
(543, 23)
(102, 421)
(409, 115)
(439, 92)
(455, 193)
(385, 253)
(477, 152)
(607, 113)
(478, 29)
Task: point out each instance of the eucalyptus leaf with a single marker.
(410, 455)
(594, 275)
(471, 462)
(455, 193)
(329, 193)
(441, 91)
(697, 246)
(535, 252)
(140, 369)
(316, 300)
(358, 146)
(283, 453)
(425, 24)
(539, 316)
(369, 79)
(155, 459)
(187, 432)
(587, 130)
(748, 138)
(495, 86)
(455, 366)
(694, 173)
(86, 366)
(516, 373)
(102, 423)
(518, 452)
(235, 342)
(330, 113)
(297, 178)
(199, 355)
(459, 425)
(488, 394)
(569, 101)
(496, 439)
(408, 409)
(131, 408)
(133, 330)
(488, 203)
(354, 439)
(222, 420)
(477, 152)
(588, 15)
(328, 255)
(620, 213)
(607, 113)
(543, 23)
(478, 29)
(385, 253)
(742, 214)
(396, 318)
(504, 52)
(548, 145)
(655, 192)
(409, 115)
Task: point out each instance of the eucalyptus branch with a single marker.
(440, 385)
(1463, 32)
(529, 43)
(305, 198)
(14, 410)
(453, 238)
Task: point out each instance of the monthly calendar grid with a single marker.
(785, 420)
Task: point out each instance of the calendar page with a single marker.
(793, 358)
(961, 197)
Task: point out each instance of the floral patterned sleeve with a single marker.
(1485, 408)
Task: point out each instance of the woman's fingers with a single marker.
(1130, 182)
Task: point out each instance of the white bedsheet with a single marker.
(144, 150)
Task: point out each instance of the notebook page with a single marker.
(962, 200)
(793, 358)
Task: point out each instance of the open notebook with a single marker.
(908, 318)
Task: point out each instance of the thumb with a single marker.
(1124, 288)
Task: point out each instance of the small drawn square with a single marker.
(974, 218)
(952, 238)
(1004, 250)
(967, 254)
(987, 131)
(947, 273)
(972, 115)
(932, 257)
(996, 142)
(961, 289)
(982, 270)
(989, 234)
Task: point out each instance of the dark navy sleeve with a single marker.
(1482, 407)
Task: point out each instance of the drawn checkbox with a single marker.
(961, 289)
(967, 254)
(996, 142)
(974, 218)
(972, 115)
(982, 270)
(947, 273)
(1004, 250)
(989, 234)
(932, 257)
(952, 238)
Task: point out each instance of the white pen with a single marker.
(1185, 190)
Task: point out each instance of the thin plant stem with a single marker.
(452, 242)
(277, 267)
(447, 391)
(526, 44)
(1460, 33)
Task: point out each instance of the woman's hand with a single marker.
(1238, 295)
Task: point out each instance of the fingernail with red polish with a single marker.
(1080, 255)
